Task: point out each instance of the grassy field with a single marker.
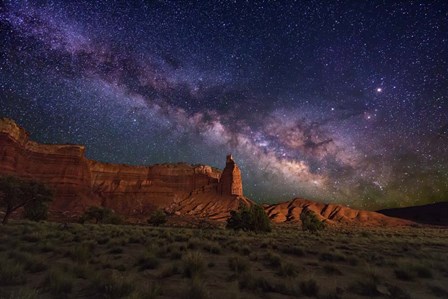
(45, 260)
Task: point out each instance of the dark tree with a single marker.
(310, 222)
(16, 193)
(252, 218)
(158, 217)
(101, 215)
(36, 211)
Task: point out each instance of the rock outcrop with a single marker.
(231, 182)
(132, 191)
(136, 191)
(290, 211)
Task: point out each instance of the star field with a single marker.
(336, 101)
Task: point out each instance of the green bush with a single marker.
(309, 288)
(58, 283)
(16, 193)
(36, 211)
(252, 218)
(310, 222)
(100, 215)
(113, 286)
(148, 261)
(238, 264)
(11, 273)
(157, 218)
(197, 290)
(193, 264)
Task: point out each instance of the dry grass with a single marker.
(41, 260)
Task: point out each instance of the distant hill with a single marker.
(434, 214)
(333, 214)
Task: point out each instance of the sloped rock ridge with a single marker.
(331, 214)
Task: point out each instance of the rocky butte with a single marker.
(131, 191)
(184, 190)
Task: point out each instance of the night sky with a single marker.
(335, 101)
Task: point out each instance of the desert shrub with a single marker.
(194, 243)
(82, 270)
(245, 250)
(309, 288)
(197, 290)
(438, 291)
(168, 271)
(32, 237)
(116, 250)
(180, 238)
(193, 264)
(273, 260)
(398, 293)
(238, 264)
(23, 293)
(157, 218)
(11, 273)
(100, 215)
(175, 254)
(212, 247)
(423, 272)
(113, 286)
(310, 222)
(259, 284)
(148, 261)
(31, 263)
(16, 193)
(365, 288)
(252, 218)
(46, 246)
(58, 283)
(81, 253)
(332, 270)
(288, 270)
(331, 257)
(294, 250)
(152, 291)
(404, 274)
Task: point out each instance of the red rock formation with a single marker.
(132, 191)
(231, 182)
(332, 214)
(62, 167)
(135, 191)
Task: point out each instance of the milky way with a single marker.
(336, 101)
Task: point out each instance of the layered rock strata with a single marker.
(332, 214)
(132, 191)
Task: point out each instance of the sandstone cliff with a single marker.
(231, 182)
(135, 191)
(132, 191)
(330, 213)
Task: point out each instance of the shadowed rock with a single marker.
(434, 214)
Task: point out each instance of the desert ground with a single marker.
(48, 260)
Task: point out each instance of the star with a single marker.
(297, 100)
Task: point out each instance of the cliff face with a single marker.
(132, 191)
(231, 182)
(290, 211)
(62, 167)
